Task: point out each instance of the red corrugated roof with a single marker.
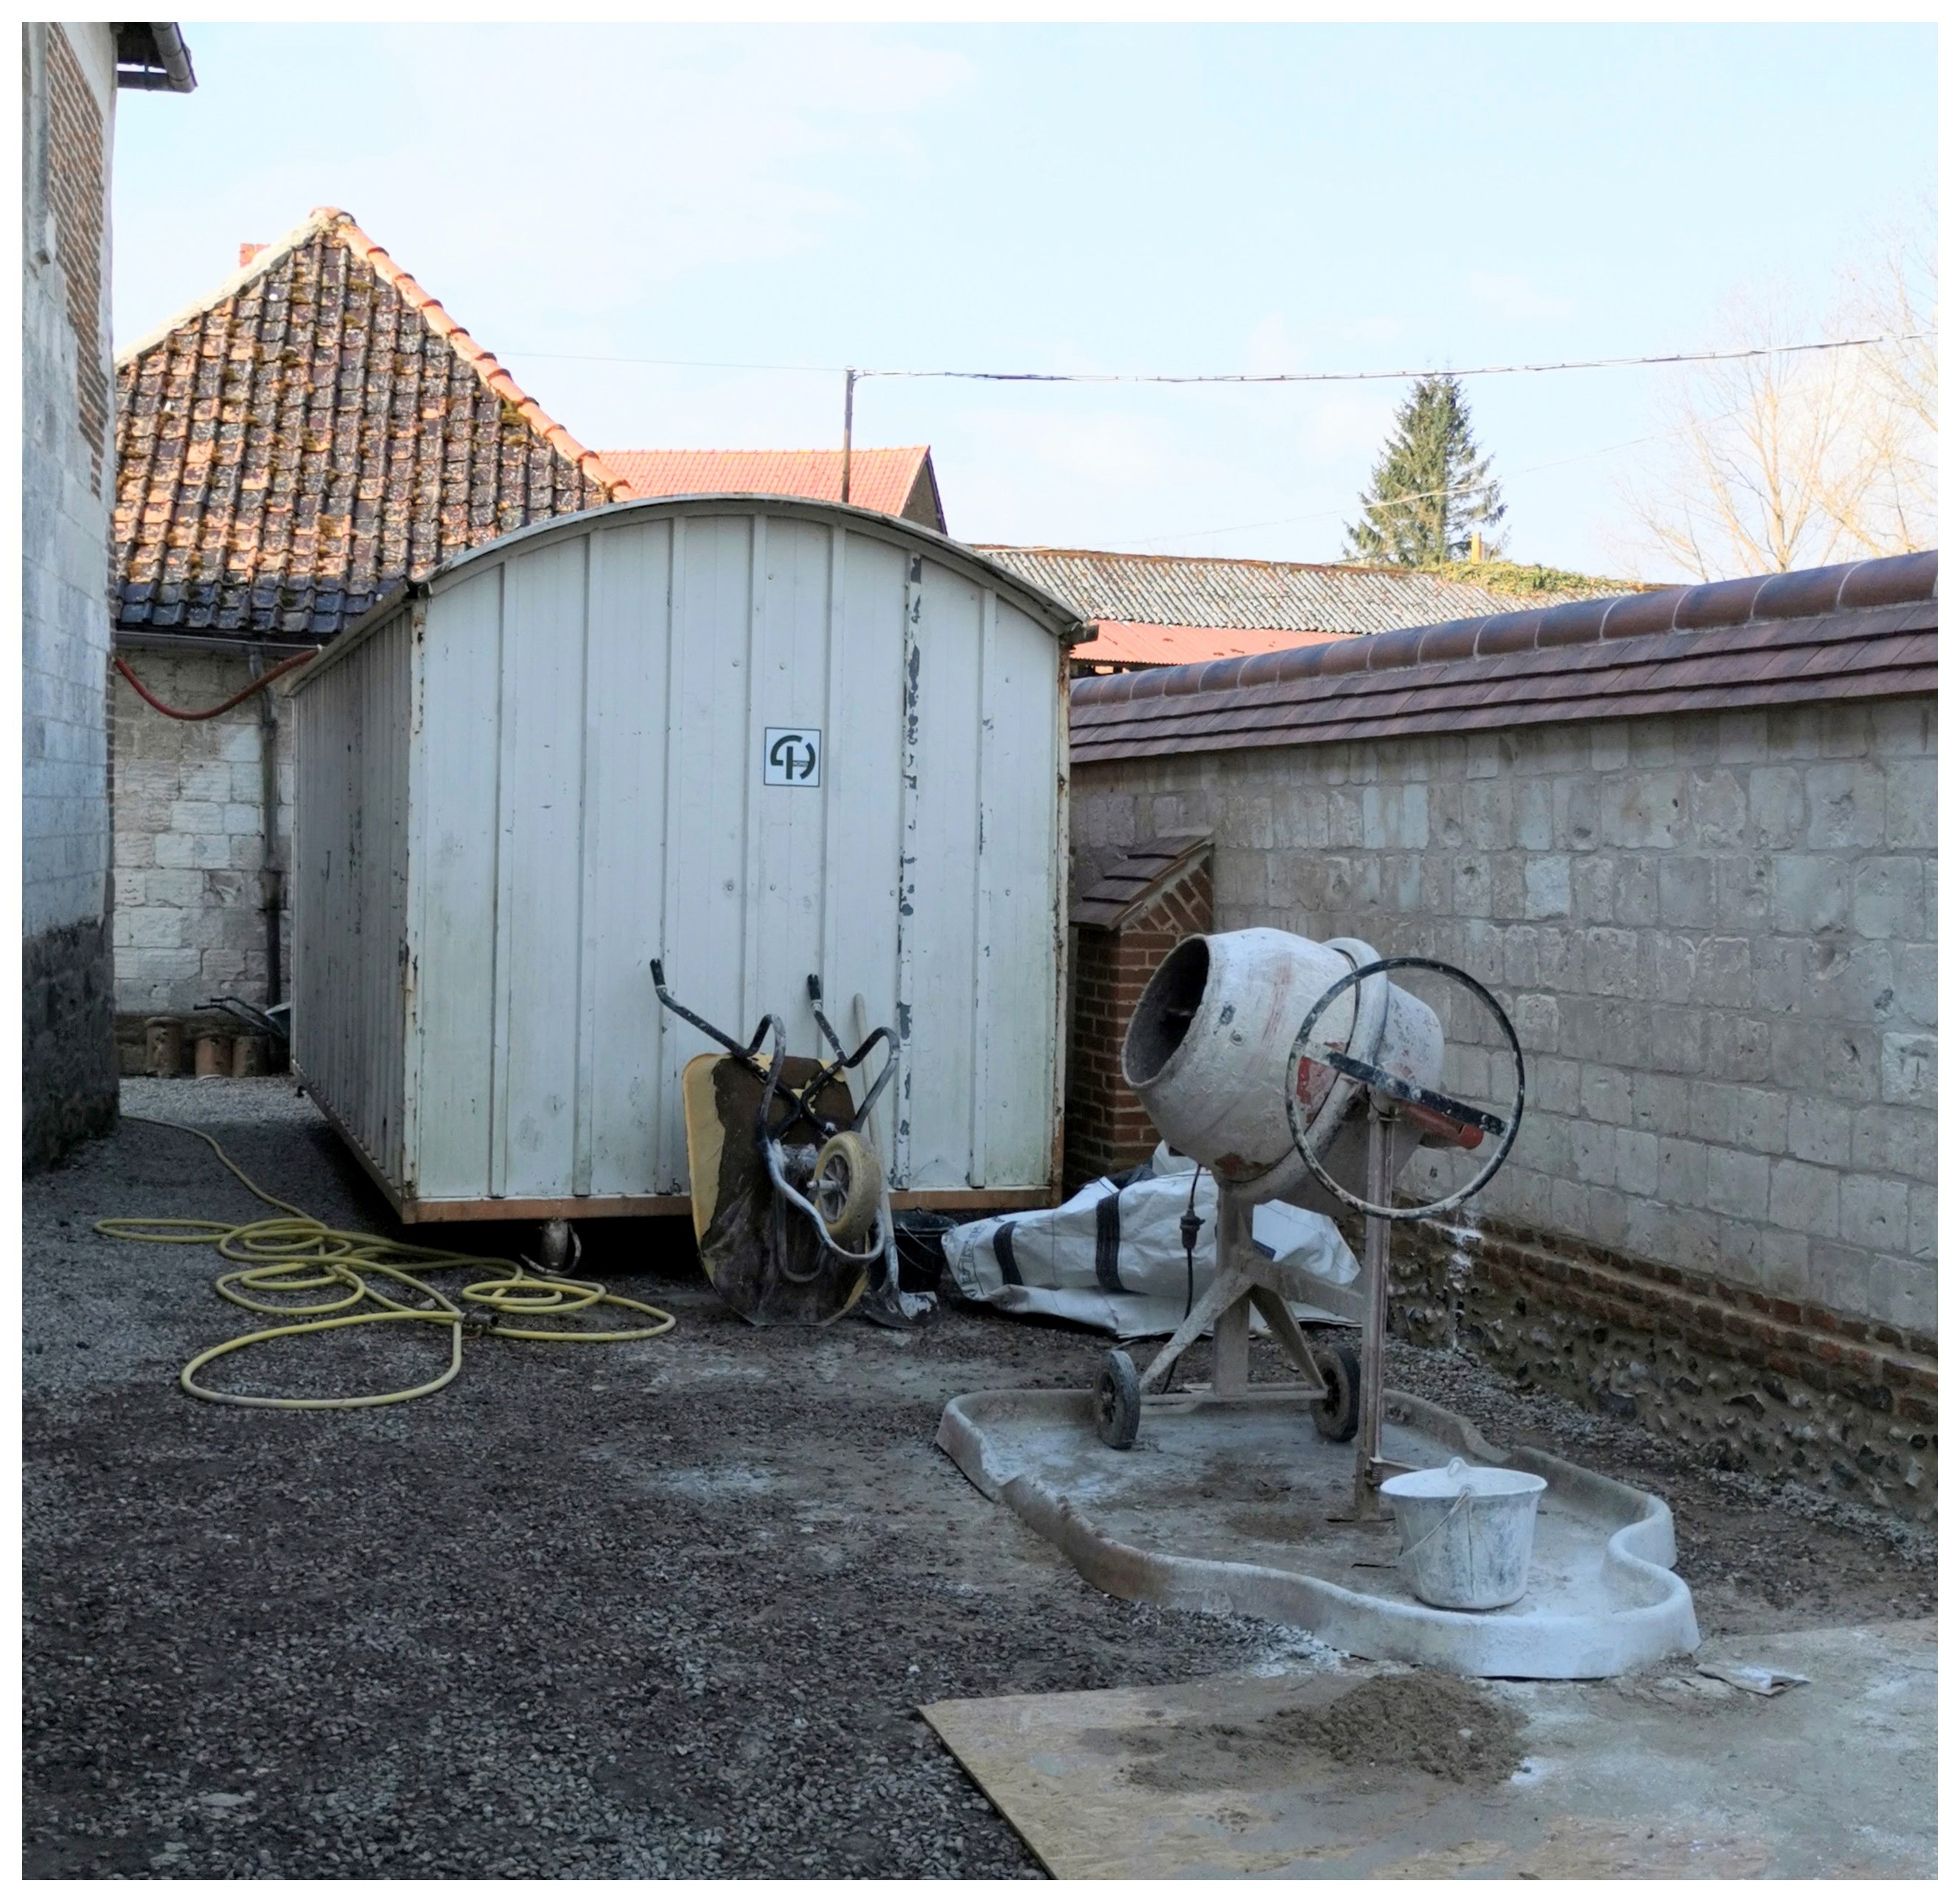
(1150, 643)
(881, 479)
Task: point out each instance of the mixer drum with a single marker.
(1207, 1047)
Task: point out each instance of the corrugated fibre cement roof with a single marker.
(1862, 629)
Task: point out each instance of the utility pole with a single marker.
(850, 392)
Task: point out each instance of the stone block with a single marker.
(1723, 973)
(1777, 816)
(1536, 823)
(1636, 889)
(1743, 889)
(1636, 1162)
(1535, 1017)
(1741, 739)
(1916, 981)
(1470, 879)
(1605, 1218)
(1888, 899)
(1575, 814)
(1687, 891)
(1762, 1120)
(1812, 892)
(1845, 729)
(1846, 802)
(1922, 1215)
(1520, 963)
(1820, 1131)
(239, 817)
(1718, 808)
(1804, 1198)
(1593, 1152)
(1840, 1277)
(1300, 818)
(1647, 811)
(1875, 1212)
(1490, 817)
(1825, 1060)
(1739, 1184)
(1613, 965)
(1659, 1102)
(1681, 1172)
(1609, 750)
(1895, 1142)
(1738, 1048)
(1507, 885)
(197, 815)
(1673, 1038)
(1605, 1094)
(1912, 804)
(1344, 818)
(1553, 1084)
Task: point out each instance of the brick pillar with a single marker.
(1125, 925)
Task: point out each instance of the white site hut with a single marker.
(758, 738)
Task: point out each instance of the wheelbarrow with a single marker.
(791, 1212)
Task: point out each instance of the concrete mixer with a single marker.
(1296, 1071)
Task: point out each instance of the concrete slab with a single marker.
(1237, 1509)
(1663, 1774)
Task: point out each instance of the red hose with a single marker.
(123, 668)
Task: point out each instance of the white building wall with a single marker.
(68, 98)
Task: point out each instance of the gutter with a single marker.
(153, 58)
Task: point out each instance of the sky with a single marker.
(1146, 199)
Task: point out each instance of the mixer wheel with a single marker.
(1119, 1400)
(1338, 1417)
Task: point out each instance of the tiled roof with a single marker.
(1862, 630)
(894, 481)
(1138, 874)
(1201, 591)
(316, 432)
(1146, 644)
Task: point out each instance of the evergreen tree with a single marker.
(1430, 487)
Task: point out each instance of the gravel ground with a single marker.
(665, 1608)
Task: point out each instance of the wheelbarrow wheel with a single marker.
(846, 1186)
(1338, 1417)
(1119, 1400)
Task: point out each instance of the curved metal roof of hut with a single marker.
(1067, 626)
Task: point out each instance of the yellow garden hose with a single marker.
(290, 1254)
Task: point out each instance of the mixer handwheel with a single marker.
(1119, 1400)
(1338, 1417)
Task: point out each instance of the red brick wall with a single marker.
(1106, 1129)
(75, 194)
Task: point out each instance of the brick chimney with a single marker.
(246, 252)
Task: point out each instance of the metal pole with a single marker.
(1381, 1173)
(850, 392)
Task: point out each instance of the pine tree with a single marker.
(1430, 487)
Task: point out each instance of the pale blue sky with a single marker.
(1146, 199)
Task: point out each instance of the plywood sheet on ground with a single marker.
(1664, 1772)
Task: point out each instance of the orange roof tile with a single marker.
(316, 432)
(894, 481)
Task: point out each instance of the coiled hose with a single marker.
(293, 1253)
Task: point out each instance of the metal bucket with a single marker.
(1466, 1533)
(1207, 1046)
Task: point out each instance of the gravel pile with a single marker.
(663, 1609)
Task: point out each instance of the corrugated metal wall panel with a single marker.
(350, 899)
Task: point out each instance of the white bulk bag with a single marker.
(1111, 1257)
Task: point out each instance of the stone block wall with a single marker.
(1716, 936)
(189, 836)
(68, 1069)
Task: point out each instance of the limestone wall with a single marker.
(1716, 935)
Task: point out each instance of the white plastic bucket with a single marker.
(1466, 1533)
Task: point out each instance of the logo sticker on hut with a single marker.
(792, 756)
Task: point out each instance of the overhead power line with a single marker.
(1247, 376)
